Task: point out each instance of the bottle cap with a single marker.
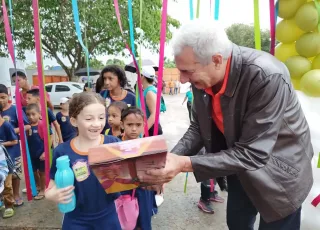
(63, 161)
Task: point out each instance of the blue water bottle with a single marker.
(64, 177)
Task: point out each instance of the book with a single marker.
(118, 166)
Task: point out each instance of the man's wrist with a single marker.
(186, 165)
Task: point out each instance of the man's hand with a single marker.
(174, 165)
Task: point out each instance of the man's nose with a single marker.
(184, 79)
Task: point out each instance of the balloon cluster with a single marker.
(299, 46)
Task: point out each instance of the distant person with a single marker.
(86, 87)
(171, 86)
(163, 87)
(24, 86)
(176, 87)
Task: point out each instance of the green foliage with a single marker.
(33, 65)
(169, 63)
(243, 35)
(96, 64)
(116, 61)
(99, 24)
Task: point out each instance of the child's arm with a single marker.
(151, 104)
(62, 195)
(184, 100)
(3, 169)
(9, 143)
(58, 131)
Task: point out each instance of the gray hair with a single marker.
(205, 38)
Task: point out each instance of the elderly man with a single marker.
(248, 117)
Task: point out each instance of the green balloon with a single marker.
(316, 62)
(310, 83)
(288, 8)
(307, 17)
(298, 66)
(308, 45)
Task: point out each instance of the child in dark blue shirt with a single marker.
(95, 209)
(114, 80)
(9, 114)
(68, 131)
(132, 120)
(114, 118)
(33, 97)
(36, 147)
(9, 140)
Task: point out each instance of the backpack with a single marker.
(128, 211)
(163, 107)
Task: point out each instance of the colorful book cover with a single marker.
(119, 165)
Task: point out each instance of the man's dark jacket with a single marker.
(266, 139)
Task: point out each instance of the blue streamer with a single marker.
(191, 9)
(216, 9)
(31, 175)
(78, 31)
(276, 12)
(131, 27)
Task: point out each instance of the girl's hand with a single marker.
(42, 157)
(62, 195)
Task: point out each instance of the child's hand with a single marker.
(62, 195)
(42, 157)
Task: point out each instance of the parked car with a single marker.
(62, 89)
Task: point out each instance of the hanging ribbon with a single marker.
(140, 55)
(316, 201)
(163, 33)
(272, 26)
(216, 9)
(318, 161)
(257, 35)
(131, 30)
(317, 4)
(76, 19)
(191, 9)
(38, 46)
(198, 9)
(116, 7)
(10, 45)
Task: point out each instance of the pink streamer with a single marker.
(161, 63)
(143, 107)
(272, 27)
(37, 38)
(18, 101)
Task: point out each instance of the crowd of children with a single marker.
(86, 120)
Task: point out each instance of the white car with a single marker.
(58, 90)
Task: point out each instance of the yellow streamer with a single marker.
(257, 35)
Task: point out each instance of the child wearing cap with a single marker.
(68, 131)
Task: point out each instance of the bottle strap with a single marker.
(133, 194)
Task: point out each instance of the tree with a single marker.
(169, 63)
(98, 23)
(116, 61)
(33, 65)
(243, 35)
(96, 64)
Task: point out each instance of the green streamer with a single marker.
(198, 9)
(257, 35)
(319, 161)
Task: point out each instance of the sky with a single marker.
(231, 11)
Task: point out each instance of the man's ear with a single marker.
(217, 60)
(73, 122)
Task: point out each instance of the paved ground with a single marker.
(179, 211)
